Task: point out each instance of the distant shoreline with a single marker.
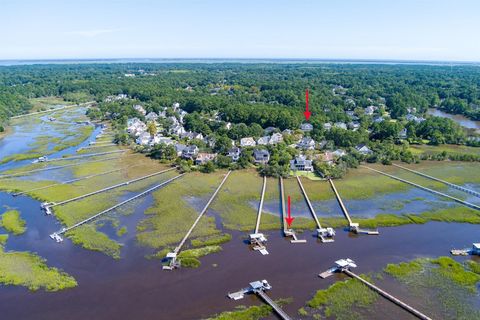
(13, 62)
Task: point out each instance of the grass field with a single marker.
(12, 222)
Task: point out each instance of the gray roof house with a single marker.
(234, 153)
(306, 143)
(190, 152)
(306, 127)
(363, 149)
(263, 140)
(301, 163)
(261, 156)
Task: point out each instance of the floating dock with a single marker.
(288, 232)
(353, 227)
(468, 204)
(257, 239)
(455, 186)
(259, 288)
(344, 265)
(57, 235)
(325, 234)
(172, 256)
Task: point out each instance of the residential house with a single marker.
(378, 119)
(179, 148)
(234, 153)
(327, 126)
(322, 144)
(306, 143)
(306, 127)
(151, 116)
(340, 125)
(403, 134)
(247, 142)
(204, 157)
(411, 117)
(363, 149)
(353, 125)
(301, 163)
(159, 139)
(328, 157)
(287, 131)
(269, 130)
(176, 106)
(192, 135)
(140, 109)
(174, 120)
(339, 153)
(261, 156)
(276, 138)
(135, 127)
(190, 152)
(228, 125)
(144, 139)
(177, 129)
(350, 113)
(263, 140)
(181, 115)
(370, 110)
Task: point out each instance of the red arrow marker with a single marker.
(306, 113)
(289, 219)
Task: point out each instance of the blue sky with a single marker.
(341, 29)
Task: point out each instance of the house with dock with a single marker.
(301, 163)
(261, 156)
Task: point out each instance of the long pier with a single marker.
(85, 155)
(56, 204)
(52, 168)
(173, 255)
(354, 227)
(57, 234)
(288, 232)
(453, 185)
(258, 240)
(468, 204)
(282, 314)
(325, 234)
(97, 146)
(388, 296)
(72, 181)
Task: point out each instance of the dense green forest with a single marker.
(263, 94)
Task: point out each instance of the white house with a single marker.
(151, 116)
(340, 125)
(339, 153)
(370, 110)
(247, 142)
(135, 127)
(190, 152)
(263, 140)
(176, 106)
(192, 135)
(276, 138)
(203, 158)
(177, 129)
(144, 139)
(327, 126)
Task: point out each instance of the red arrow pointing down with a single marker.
(306, 113)
(289, 219)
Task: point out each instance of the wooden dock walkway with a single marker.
(117, 205)
(272, 304)
(455, 186)
(97, 146)
(468, 204)
(86, 155)
(260, 206)
(282, 199)
(340, 202)
(71, 181)
(310, 206)
(388, 296)
(178, 248)
(83, 196)
(16, 174)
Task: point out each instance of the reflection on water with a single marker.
(458, 118)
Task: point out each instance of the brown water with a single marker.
(137, 288)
